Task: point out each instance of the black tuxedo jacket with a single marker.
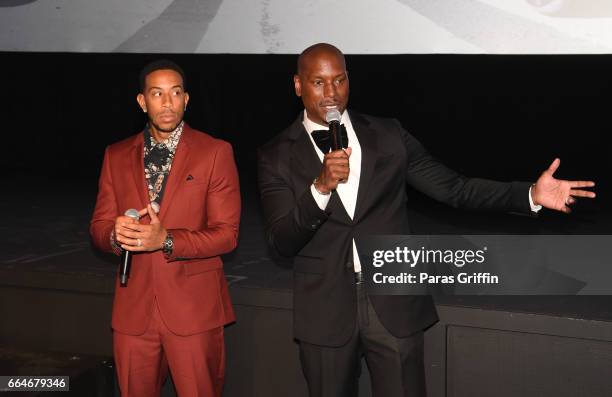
(320, 241)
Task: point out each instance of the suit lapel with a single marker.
(304, 162)
(368, 140)
(305, 166)
(177, 172)
(137, 165)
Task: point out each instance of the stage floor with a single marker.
(45, 244)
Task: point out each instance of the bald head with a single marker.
(321, 81)
(316, 51)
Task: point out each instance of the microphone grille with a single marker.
(333, 115)
(132, 213)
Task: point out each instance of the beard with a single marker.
(167, 130)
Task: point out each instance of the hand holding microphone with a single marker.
(335, 168)
(132, 236)
(136, 237)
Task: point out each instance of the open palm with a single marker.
(558, 194)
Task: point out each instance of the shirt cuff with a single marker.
(321, 199)
(534, 208)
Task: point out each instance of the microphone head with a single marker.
(155, 206)
(132, 213)
(333, 115)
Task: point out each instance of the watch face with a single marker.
(168, 244)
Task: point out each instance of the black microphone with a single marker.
(126, 256)
(333, 117)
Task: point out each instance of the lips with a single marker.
(167, 116)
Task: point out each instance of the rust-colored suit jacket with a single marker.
(200, 207)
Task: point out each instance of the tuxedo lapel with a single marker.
(177, 172)
(305, 166)
(368, 140)
(137, 165)
(304, 162)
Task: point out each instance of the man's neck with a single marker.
(314, 121)
(162, 136)
(159, 136)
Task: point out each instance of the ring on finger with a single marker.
(138, 243)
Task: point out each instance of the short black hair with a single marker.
(160, 64)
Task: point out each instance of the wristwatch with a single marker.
(168, 244)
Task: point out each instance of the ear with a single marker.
(297, 84)
(186, 101)
(141, 101)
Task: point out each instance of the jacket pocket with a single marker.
(196, 266)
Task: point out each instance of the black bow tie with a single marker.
(323, 139)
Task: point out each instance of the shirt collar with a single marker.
(171, 143)
(310, 125)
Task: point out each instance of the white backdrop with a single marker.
(288, 26)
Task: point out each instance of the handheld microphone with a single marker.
(333, 117)
(126, 256)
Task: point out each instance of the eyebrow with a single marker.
(343, 74)
(160, 88)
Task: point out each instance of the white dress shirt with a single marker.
(346, 191)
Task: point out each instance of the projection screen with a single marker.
(287, 26)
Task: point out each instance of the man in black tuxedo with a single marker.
(316, 202)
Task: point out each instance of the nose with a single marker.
(167, 100)
(329, 90)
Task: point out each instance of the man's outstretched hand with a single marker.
(558, 194)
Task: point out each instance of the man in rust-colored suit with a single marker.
(173, 309)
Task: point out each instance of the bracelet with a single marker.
(314, 183)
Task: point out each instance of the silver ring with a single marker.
(139, 243)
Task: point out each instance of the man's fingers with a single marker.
(130, 242)
(340, 153)
(554, 165)
(125, 219)
(338, 166)
(137, 227)
(132, 234)
(152, 214)
(348, 151)
(133, 248)
(339, 169)
(337, 160)
(582, 193)
(574, 184)
(143, 211)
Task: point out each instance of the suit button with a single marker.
(349, 265)
(314, 226)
